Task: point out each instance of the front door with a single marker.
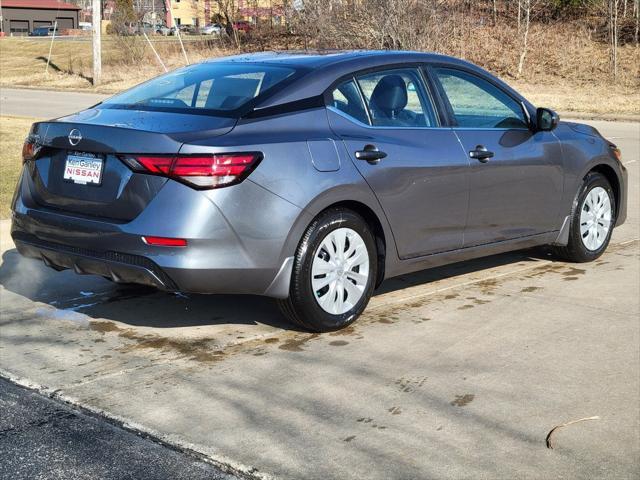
(416, 169)
(515, 180)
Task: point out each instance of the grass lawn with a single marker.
(126, 61)
(13, 131)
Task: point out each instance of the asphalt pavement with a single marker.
(46, 439)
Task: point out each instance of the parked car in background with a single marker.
(242, 26)
(43, 31)
(148, 28)
(311, 178)
(163, 30)
(212, 29)
(188, 29)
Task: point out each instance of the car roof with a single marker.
(320, 58)
(326, 66)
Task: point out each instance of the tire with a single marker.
(320, 309)
(576, 249)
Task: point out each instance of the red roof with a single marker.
(47, 4)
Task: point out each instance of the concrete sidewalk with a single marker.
(456, 372)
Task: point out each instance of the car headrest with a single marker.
(390, 94)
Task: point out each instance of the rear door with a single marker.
(416, 169)
(515, 181)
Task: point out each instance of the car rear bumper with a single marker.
(234, 244)
(119, 267)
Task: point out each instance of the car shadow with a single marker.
(460, 268)
(147, 307)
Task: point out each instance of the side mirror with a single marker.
(546, 119)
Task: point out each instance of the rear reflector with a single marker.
(198, 171)
(165, 242)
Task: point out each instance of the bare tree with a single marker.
(636, 14)
(227, 9)
(525, 38)
(612, 10)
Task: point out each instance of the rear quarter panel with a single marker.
(288, 171)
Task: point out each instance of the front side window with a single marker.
(476, 103)
(348, 100)
(397, 98)
(216, 87)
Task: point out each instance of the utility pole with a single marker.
(97, 31)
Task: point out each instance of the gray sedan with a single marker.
(311, 178)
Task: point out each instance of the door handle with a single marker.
(371, 154)
(481, 154)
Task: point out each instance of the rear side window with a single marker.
(476, 103)
(397, 98)
(216, 87)
(348, 100)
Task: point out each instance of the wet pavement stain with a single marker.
(463, 400)
(487, 286)
(530, 289)
(479, 301)
(572, 271)
(104, 326)
(297, 344)
(345, 331)
(338, 343)
(408, 385)
(385, 320)
(197, 349)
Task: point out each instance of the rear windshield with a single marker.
(217, 88)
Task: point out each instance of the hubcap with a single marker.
(340, 271)
(595, 218)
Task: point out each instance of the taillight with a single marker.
(30, 150)
(198, 171)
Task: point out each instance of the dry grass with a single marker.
(13, 131)
(126, 62)
(596, 99)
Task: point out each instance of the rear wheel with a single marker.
(592, 220)
(334, 272)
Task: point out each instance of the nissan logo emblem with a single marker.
(74, 137)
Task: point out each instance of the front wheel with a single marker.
(591, 222)
(334, 272)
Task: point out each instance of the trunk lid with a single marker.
(103, 134)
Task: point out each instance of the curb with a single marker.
(224, 464)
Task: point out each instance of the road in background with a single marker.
(44, 103)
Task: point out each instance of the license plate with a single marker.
(83, 169)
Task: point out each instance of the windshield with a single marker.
(203, 88)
